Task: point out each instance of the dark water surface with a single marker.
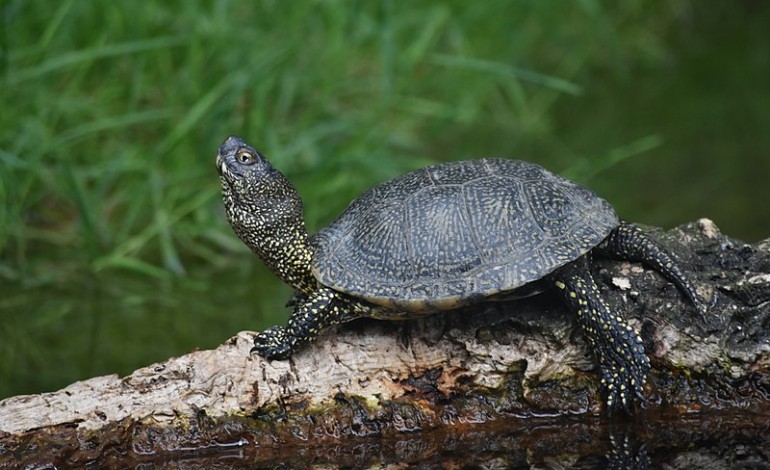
(728, 440)
(72, 329)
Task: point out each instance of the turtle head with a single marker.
(265, 211)
(244, 172)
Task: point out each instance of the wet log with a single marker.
(496, 362)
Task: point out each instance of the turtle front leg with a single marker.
(619, 349)
(322, 308)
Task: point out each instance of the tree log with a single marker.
(504, 362)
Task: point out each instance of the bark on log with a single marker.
(370, 379)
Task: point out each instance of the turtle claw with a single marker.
(273, 343)
(624, 390)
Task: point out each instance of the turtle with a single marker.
(440, 238)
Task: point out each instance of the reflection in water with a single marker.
(725, 440)
(625, 452)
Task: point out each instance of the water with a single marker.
(725, 440)
(77, 327)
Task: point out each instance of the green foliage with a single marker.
(117, 109)
(110, 223)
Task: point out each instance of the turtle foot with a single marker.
(273, 343)
(624, 388)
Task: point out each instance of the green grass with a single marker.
(117, 110)
(113, 248)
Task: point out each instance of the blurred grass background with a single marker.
(114, 251)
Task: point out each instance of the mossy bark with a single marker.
(513, 363)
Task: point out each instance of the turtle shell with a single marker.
(455, 233)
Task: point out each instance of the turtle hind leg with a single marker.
(629, 242)
(619, 349)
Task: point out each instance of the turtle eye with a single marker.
(245, 157)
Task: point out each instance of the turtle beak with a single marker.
(220, 165)
(226, 173)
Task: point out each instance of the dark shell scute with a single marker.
(439, 231)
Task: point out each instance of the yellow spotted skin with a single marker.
(440, 238)
(275, 235)
(323, 308)
(266, 213)
(619, 349)
(629, 242)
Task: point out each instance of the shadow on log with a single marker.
(518, 371)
